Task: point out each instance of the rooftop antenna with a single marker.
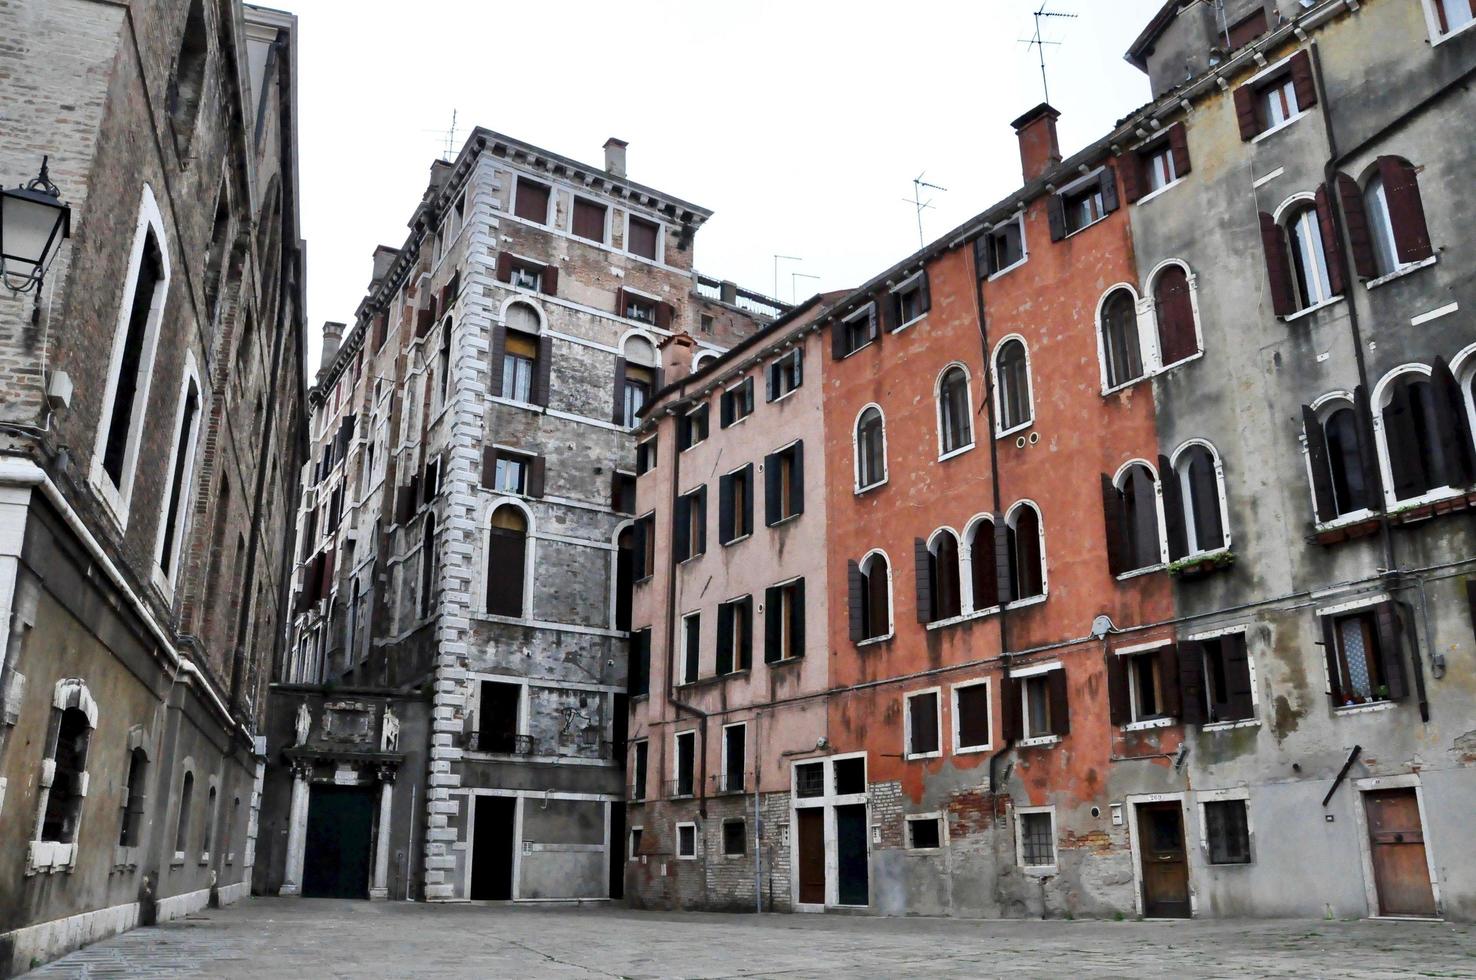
(1039, 43)
(451, 137)
(918, 204)
(777, 259)
(793, 287)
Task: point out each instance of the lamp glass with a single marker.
(31, 231)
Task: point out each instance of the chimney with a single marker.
(728, 292)
(1039, 149)
(384, 257)
(615, 157)
(332, 336)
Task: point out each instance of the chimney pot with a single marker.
(384, 257)
(332, 338)
(1039, 148)
(728, 292)
(615, 157)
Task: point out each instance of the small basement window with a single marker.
(924, 833)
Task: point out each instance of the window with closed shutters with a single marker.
(1135, 513)
(588, 220)
(1227, 831)
(643, 238)
(1173, 309)
(922, 725)
(1227, 690)
(971, 716)
(530, 201)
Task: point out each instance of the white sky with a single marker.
(800, 124)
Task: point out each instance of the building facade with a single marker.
(467, 525)
(152, 400)
(1146, 547)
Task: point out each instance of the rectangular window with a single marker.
(911, 300)
(1278, 103)
(1037, 717)
(922, 725)
(623, 493)
(1363, 664)
(646, 456)
(1084, 207)
(735, 517)
(638, 385)
(1227, 677)
(784, 484)
(735, 758)
(635, 842)
(497, 716)
(1006, 246)
(638, 762)
(134, 356)
(519, 364)
(589, 220)
(858, 330)
(1037, 838)
(639, 308)
(735, 635)
(179, 482)
(1158, 168)
(531, 201)
(645, 547)
(692, 427)
(1145, 686)
(809, 780)
(735, 838)
(643, 238)
(691, 647)
(849, 775)
(1227, 831)
(511, 475)
(524, 275)
(691, 525)
(1452, 15)
(682, 764)
(784, 621)
(638, 679)
(924, 833)
(686, 841)
(786, 374)
(1247, 29)
(737, 402)
(971, 716)
(705, 323)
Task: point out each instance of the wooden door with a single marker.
(1165, 864)
(811, 850)
(340, 829)
(1397, 844)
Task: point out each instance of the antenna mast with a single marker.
(451, 137)
(918, 204)
(1039, 43)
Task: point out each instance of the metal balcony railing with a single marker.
(679, 789)
(497, 742)
(731, 782)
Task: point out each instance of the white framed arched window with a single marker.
(1173, 291)
(1119, 344)
(955, 421)
(979, 556)
(871, 605)
(1014, 406)
(1132, 500)
(1198, 520)
(1420, 429)
(1025, 545)
(938, 580)
(869, 448)
(520, 353)
(1338, 471)
(508, 563)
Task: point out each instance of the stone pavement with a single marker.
(309, 939)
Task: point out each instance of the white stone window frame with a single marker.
(1215, 634)
(911, 818)
(910, 284)
(164, 578)
(1463, 366)
(891, 619)
(907, 750)
(1231, 795)
(1045, 566)
(723, 762)
(1324, 406)
(999, 432)
(1163, 553)
(550, 210)
(867, 311)
(56, 856)
(676, 763)
(1304, 202)
(1027, 739)
(606, 242)
(630, 843)
(660, 258)
(1185, 495)
(1437, 36)
(1147, 349)
(943, 452)
(1134, 655)
(1381, 441)
(1152, 351)
(958, 747)
(116, 499)
(858, 488)
(1036, 870)
(677, 848)
(530, 555)
(1018, 218)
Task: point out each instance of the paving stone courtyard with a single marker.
(309, 939)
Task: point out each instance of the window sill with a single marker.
(916, 756)
(955, 452)
(1363, 709)
(1312, 309)
(858, 491)
(1163, 368)
(1022, 603)
(875, 640)
(961, 618)
(1420, 508)
(1147, 724)
(787, 520)
(1125, 385)
(854, 350)
(785, 661)
(739, 419)
(897, 330)
(742, 537)
(1225, 726)
(1039, 870)
(1268, 133)
(1006, 433)
(1038, 741)
(779, 398)
(1007, 269)
(1403, 270)
(973, 749)
(1078, 231)
(1441, 39)
(178, 860)
(1135, 573)
(513, 403)
(1151, 195)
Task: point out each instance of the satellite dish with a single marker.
(1102, 625)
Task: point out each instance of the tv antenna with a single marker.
(1038, 42)
(782, 258)
(918, 186)
(451, 137)
(794, 278)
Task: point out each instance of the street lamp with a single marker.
(33, 224)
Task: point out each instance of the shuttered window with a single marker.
(786, 374)
(1043, 709)
(910, 301)
(692, 427)
(922, 725)
(691, 660)
(784, 484)
(531, 201)
(1365, 663)
(646, 456)
(869, 598)
(735, 505)
(1173, 308)
(1340, 459)
(735, 635)
(507, 543)
(1121, 348)
(1131, 508)
(854, 332)
(784, 621)
(519, 366)
(871, 454)
(645, 547)
(1013, 401)
(971, 716)
(643, 238)
(1277, 98)
(1026, 560)
(737, 403)
(589, 219)
(691, 525)
(1218, 686)
(1003, 247)
(1426, 432)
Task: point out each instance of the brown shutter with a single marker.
(921, 566)
(1330, 653)
(1452, 425)
(883, 314)
(837, 339)
(1245, 112)
(1107, 181)
(664, 313)
(1174, 518)
(1168, 675)
(1386, 615)
(1278, 267)
(1406, 461)
(1056, 216)
(1112, 513)
(494, 368)
(1009, 708)
(1119, 706)
(1060, 705)
(1302, 81)
(618, 412)
(1406, 211)
(1003, 581)
(550, 280)
(1131, 165)
(1333, 248)
(424, 320)
(797, 622)
(504, 266)
(541, 373)
(854, 587)
(620, 301)
(1189, 664)
(1322, 488)
(1237, 677)
(1179, 149)
(1367, 453)
(1355, 220)
(924, 293)
(536, 477)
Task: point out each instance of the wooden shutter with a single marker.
(489, 467)
(725, 508)
(725, 409)
(747, 478)
(1056, 216)
(1179, 149)
(536, 476)
(924, 293)
(542, 371)
(773, 628)
(424, 320)
(1355, 220)
(1009, 709)
(664, 313)
(799, 366)
(838, 344)
(1003, 582)
(638, 569)
(681, 538)
(1302, 81)
(1330, 653)
(701, 504)
(1367, 453)
(1107, 181)
(504, 266)
(1246, 115)
(771, 490)
(854, 587)
(620, 301)
(1406, 462)
(1169, 674)
(983, 257)
(797, 479)
(883, 318)
(1174, 518)
(1386, 616)
(1322, 488)
(1189, 665)
(1236, 657)
(922, 569)
(1332, 247)
(1406, 211)
(1131, 164)
(725, 639)
(1278, 267)
(618, 410)
(771, 381)
(797, 617)
(1119, 705)
(1116, 540)
(1452, 425)
(494, 369)
(1060, 705)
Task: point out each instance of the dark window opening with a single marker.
(643, 238)
(1227, 831)
(131, 367)
(922, 726)
(497, 716)
(589, 220)
(69, 773)
(685, 752)
(735, 838)
(924, 833)
(531, 203)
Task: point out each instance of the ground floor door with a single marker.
(853, 886)
(1165, 863)
(617, 849)
(340, 829)
(1397, 846)
(493, 844)
(810, 851)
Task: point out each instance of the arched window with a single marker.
(1337, 460)
(1425, 432)
(427, 565)
(954, 429)
(182, 826)
(871, 448)
(130, 833)
(1026, 554)
(1380, 228)
(1310, 282)
(1196, 520)
(1012, 385)
(871, 609)
(1173, 308)
(703, 359)
(1131, 505)
(520, 360)
(624, 576)
(209, 822)
(187, 81)
(1122, 357)
(1394, 214)
(507, 549)
(938, 580)
(63, 803)
(636, 378)
(980, 540)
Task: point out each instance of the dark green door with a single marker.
(853, 886)
(340, 829)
